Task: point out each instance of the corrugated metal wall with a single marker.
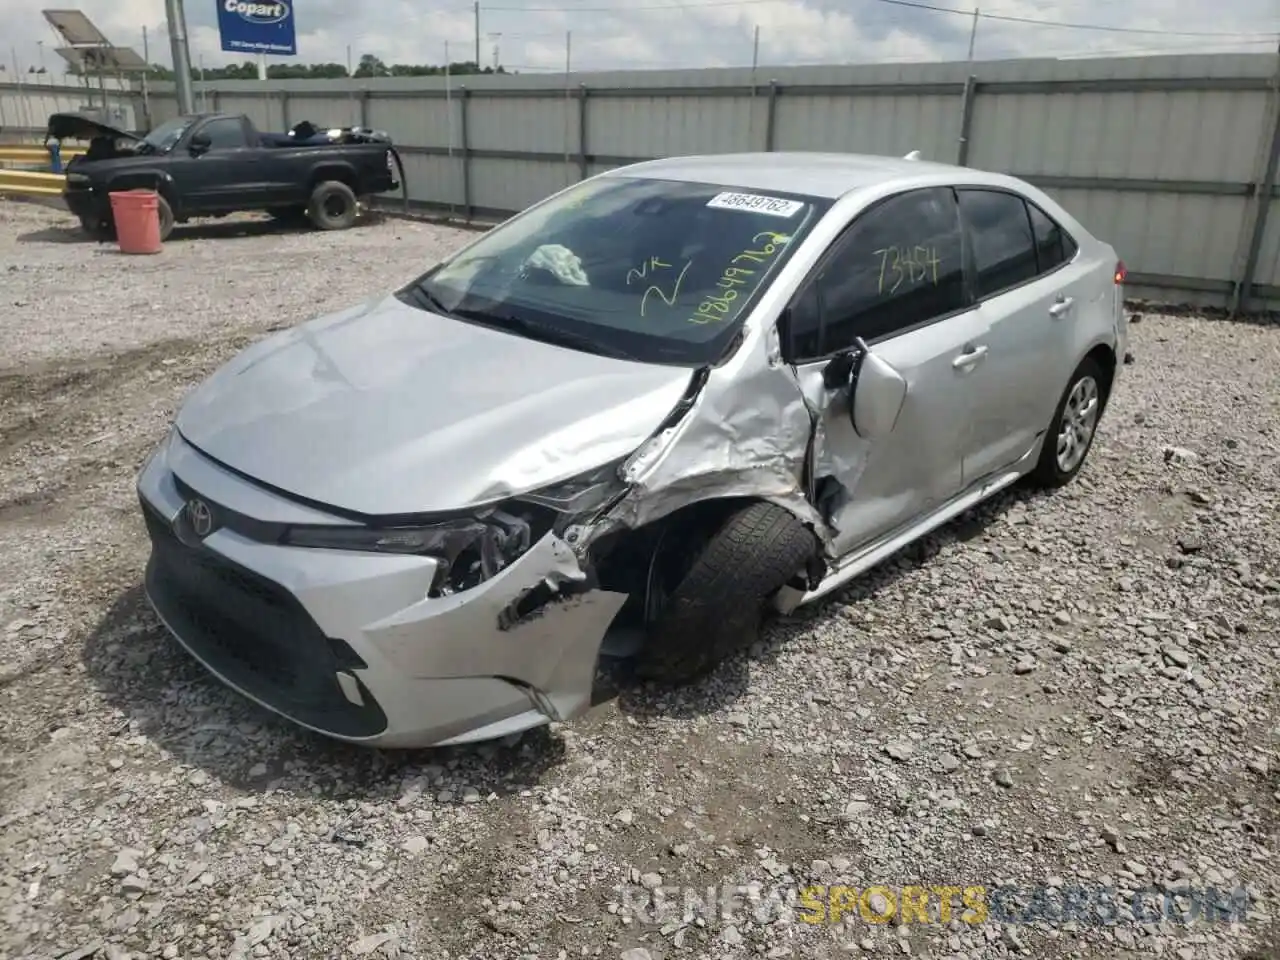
(1166, 157)
(25, 107)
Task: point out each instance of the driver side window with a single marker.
(899, 265)
(225, 133)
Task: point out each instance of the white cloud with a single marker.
(619, 34)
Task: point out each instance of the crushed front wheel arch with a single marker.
(718, 606)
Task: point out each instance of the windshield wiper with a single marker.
(429, 301)
(545, 332)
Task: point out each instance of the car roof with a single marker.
(829, 175)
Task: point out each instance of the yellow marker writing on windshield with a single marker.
(642, 272)
(717, 307)
(669, 300)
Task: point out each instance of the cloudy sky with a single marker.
(625, 34)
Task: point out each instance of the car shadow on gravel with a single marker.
(162, 694)
(729, 682)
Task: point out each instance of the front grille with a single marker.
(251, 631)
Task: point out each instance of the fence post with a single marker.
(771, 115)
(284, 110)
(466, 151)
(1262, 201)
(966, 119)
(582, 131)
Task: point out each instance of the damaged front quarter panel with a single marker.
(746, 433)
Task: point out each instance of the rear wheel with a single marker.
(716, 603)
(333, 206)
(1074, 425)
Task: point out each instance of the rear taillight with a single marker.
(1121, 272)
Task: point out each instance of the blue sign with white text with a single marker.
(257, 26)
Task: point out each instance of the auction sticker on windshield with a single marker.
(753, 203)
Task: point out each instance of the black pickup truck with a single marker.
(213, 164)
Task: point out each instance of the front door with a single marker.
(896, 280)
(223, 177)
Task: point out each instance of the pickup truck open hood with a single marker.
(387, 409)
(79, 126)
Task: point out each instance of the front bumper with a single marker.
(349, 644)
(83, 203)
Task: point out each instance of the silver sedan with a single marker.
(628, 422)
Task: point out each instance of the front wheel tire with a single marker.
(718, 606)
(165, 214)
(1073, 428)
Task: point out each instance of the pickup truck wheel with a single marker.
(719, 603)
(165, 213)
(333, 206)
(100, 230)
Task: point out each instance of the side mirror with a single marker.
(199, 143)
(876, 395)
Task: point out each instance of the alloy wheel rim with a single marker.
(1079, 421)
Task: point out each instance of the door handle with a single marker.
(970, 356)
(1061, 306)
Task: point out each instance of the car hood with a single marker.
(387, 409)
(79, 126)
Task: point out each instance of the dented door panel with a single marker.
(876, 486)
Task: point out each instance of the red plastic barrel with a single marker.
(137, 220)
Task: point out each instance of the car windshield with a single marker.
(163, 138)
(655, 270)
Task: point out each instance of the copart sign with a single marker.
(257, 26)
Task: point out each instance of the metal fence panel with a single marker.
(1166, 157)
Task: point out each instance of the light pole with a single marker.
(177, 18)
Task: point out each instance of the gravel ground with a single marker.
(1076, 690)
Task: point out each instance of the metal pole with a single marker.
(102, 85)
(582, 131)
(1263, 199)
(177, 19)
(966, 119)
(466, 157)
(973, 33)
(477, 9)
(448, 112)
(146, 90)
(751, 107)
(351, 89)
(568, 94)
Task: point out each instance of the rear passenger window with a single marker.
(1004, 252)
(897, 266)
(1053, 245)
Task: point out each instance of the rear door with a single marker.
(896, 279)
(1030, 290)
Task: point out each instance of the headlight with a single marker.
(77, 178)
(473, 549)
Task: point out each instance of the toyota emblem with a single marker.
(201, 517)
